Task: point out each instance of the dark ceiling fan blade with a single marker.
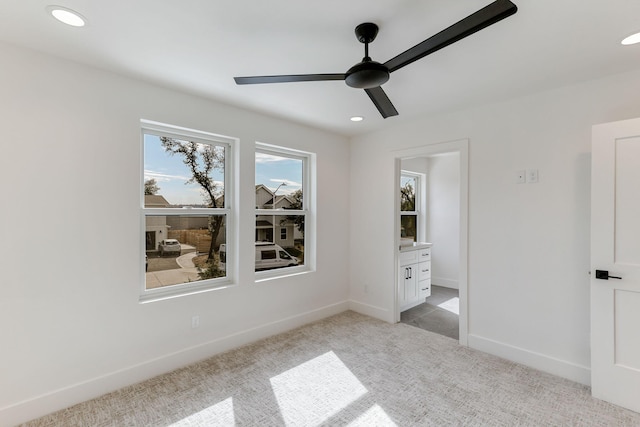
(488, 15)
(382, 102)
(288, 78)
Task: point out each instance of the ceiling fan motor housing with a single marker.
(367, 74)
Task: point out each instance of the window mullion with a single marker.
(280, 212)
(186, 212)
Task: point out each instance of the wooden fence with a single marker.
(201, 239)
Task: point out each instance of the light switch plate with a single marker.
(521, 177)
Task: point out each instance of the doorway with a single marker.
(444, 224)
(440, 313)
(150, 240)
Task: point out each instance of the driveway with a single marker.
(167, 271)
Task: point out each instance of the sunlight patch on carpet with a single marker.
(374, 416)
(312, 392)
(219, 414)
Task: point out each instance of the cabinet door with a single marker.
(402, 293)
(411, 283)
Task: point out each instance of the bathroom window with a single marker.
(409, 207)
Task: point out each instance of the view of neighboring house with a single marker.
(270, 228)
(162, 227)
(156, 227)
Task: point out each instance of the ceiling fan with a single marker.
(370, 75)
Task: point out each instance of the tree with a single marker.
(151, 187)
(201, 160)
(408, 204)
(298, 220)
(407, 197)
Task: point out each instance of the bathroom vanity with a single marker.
(414, 274)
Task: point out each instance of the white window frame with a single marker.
(420, 203)
(229, 143)
(308, 210)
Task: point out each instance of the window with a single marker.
(409, 207)
(283, 209)
(185, 211)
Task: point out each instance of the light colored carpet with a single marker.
(349, 370)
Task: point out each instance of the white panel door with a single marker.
(615, 249)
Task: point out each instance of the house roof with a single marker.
(155, 201)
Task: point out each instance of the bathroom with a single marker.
(430, 211)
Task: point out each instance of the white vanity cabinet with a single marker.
(414, 275)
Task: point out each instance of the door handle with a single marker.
(604, 275)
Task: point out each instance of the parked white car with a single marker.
(169, 246)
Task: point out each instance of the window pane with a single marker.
(183, 249)
(287, 250)
(408, 228)
(280, 178)
(408, 193)
(180, 173)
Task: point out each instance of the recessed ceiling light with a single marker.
(356, 119)
(632, 39)
(67, 16)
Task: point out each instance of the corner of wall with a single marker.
(542, 362)
(372, 311)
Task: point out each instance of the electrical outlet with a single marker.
(195, 322)
(532, 176)
(521, 176)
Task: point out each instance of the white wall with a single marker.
(72, 327)
(444, 218)
(528, 243)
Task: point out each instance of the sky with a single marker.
(272, 171)
(171, 174)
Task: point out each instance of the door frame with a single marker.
(461, 147)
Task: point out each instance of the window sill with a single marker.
(268, 275)
(176, 291)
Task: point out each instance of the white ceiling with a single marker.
(200, 45)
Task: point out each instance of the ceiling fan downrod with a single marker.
(368, 73)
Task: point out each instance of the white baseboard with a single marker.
(445, 283)
(372, 311)
(561, 368)
(76, 393)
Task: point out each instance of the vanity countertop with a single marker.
(414, 246)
